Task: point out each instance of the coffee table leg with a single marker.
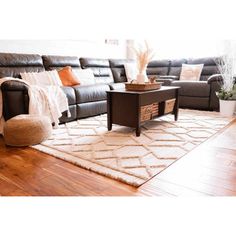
(109, 125)
(176, 109)
(138, 131)
(176, 115)
(109, 112)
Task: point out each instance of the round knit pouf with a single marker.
(27, 130)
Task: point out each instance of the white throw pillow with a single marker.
(131, 71)
(42, 78)
(85, 76)
(191, 72)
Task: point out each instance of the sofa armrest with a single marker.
(215, 82)
(13, 85)
(215, 78)
(15, 98)
(166, 82)
(173, 77)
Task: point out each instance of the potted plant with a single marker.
(227, 101)
(227, 94)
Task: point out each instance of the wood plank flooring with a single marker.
(208, 170)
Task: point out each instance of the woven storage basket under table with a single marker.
(149, 111)
(169, 105)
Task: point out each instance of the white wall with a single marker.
(80, 48)
(98, 49)
(186, 48)
(176, 49)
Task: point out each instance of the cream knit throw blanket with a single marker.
(43, 100)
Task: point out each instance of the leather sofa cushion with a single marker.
(115, 86)
(210, 66)
(91, 93)
(118, 69)
(16, 71)
(100, 68)
(176, 66)
(159, 63)
(70, 94)
(93, 62)
(157, 71)
(102, 75)
(207, 71)
(210, 70)
(14, 59)
(193, 88)
(209, 61)
(158, 67)
(91, 109)
(194, 102)
(12, 64)
(58, 62)
(119, 63)
(101, 72)
(177, 62)
(176, 71)
(119, 75)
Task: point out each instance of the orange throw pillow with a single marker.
(67, 77)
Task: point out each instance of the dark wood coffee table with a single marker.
(131, 108)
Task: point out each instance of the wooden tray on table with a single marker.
(142, 87)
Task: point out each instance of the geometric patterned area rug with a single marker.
(120, 155)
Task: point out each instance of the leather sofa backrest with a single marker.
(176, 66)
(158, 67)
(57, 62)
(100, 68)
(210, 66)
(105, 71)
(118, 69)
(12, 64)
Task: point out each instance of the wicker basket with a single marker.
(155, 109)
(149, 111)
(142, 87)
(169, 105)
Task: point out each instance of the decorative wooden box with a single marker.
(142, 87)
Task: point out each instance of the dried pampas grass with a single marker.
(143, 56)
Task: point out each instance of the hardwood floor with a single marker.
(208, 170)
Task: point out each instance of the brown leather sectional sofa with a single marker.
(85, 101)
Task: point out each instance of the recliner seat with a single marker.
(197, 94)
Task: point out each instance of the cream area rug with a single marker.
(120, 155)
